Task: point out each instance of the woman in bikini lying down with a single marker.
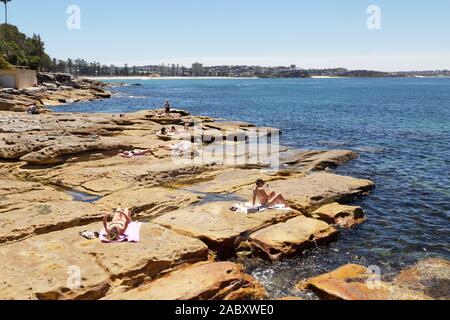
(135, 153)
(116, 228)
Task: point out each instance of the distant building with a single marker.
(17, 78)
(197, 69)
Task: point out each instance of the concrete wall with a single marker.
(22, 78)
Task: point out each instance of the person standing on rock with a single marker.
(267, 197)
(167, 108)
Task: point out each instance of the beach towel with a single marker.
(249, 209)
(182, 146)
(130, 235)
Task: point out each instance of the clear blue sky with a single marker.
(309, 33)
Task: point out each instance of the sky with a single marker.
(412, 35)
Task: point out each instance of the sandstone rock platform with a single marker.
(41, 267)
(202, 281)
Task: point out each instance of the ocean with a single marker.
(399, 126)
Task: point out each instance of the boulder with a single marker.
(293, 236)
(64, 265)
(355, 282)
(430, 276)
(218, 226)
(341, 215)
(202, 281)
(319, 160)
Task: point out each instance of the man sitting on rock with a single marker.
(267, 197)
(33, 109)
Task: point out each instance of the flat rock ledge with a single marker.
(317, 189)
(61, 171)
(219, 227)
(356, 282)
(202, 281)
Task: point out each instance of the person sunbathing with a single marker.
(33, 109)
(116, 228)
(135, 153)
(267, 197)
(181, 148)
(163, 131)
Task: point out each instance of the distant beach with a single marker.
(169, 78)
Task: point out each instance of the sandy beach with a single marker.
(166, 78)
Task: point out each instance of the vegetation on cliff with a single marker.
(20, 50)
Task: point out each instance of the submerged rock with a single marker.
(290, 237)
(355, 282)
(203, 281)
(431, 276)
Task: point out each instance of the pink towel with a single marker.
(130, 235)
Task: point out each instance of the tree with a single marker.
(4, 65)
(6, 15)
(21, 50)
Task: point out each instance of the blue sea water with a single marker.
(400, 128)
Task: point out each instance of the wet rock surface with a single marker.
(356, 282)
(431, 276)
